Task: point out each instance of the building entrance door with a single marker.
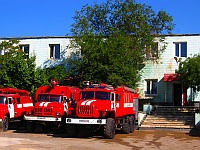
(177, 95)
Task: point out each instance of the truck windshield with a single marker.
(95, 95)
(2, 100)
(49, 98)
(87, 95)
(102, 95)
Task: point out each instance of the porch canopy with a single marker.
(169, 77)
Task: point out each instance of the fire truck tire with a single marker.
(61, 129)
(126, 125)
(109, 128)
(72, 131)
(132, 124)
(5, 124)
(31, 126)
(46, 128)
(21, 124)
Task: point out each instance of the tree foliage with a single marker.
(19, 71)
(57, 72)
(189, 72)
(114, 38)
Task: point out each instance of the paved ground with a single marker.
(139, 140)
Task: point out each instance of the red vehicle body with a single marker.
(14, 103)
(53, 104)
(104, 108)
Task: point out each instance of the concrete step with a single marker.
(166, 126)
(173, 111)
(174, 108)
(166, 122)
(169, 118)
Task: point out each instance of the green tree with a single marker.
(115, 39)
(189, 72)
(57, 72)
(16, 70)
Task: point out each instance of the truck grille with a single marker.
(38, 111)
(43, 111)
(85, 110)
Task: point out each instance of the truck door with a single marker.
(113, 105)
(11, 107)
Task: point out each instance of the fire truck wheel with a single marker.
(126, 125)
(5, 124)
(132, 124)
(61, 129)
(109, 128)
(72, 131)
(31, 126)
(46, 128)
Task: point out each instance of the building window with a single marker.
(25, 49)
(152, 87)
(54, 51)
(181, 49)
(153, 51)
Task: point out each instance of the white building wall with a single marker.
(168, 64)
(39, 46)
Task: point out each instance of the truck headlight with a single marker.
(57, 113)
(30, 112)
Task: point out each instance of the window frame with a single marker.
(23, 48)
(151, 89)
(54, 51)
(153, 51)
(180, 49)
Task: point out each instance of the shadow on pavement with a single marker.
(194, 132)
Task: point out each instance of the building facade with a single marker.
(48, 50)
(158, 82)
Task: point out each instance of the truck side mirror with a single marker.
(9, 100)
(65, 99)
(112, 97)
(68, 100)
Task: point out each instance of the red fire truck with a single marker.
(104, 108)
(14, 103)
(53, 104)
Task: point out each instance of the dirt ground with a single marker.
(139, 140)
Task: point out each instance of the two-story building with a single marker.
(158, 83)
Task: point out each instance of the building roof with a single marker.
(48, 37)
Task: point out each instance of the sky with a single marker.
(19, 18)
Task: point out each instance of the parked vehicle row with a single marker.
(98, 107)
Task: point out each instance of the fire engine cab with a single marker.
(14, 103)
(53, 104)
(104, 108)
